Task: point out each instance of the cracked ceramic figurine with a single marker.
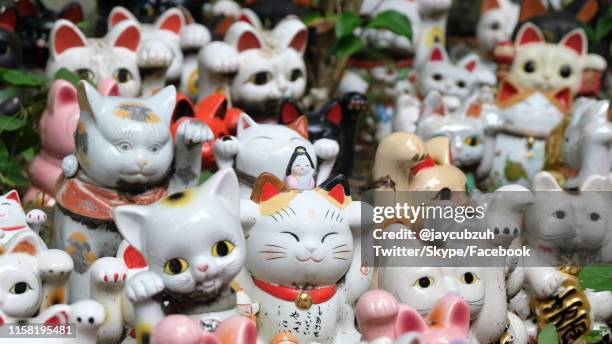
(124, 155)
(337, 120)
(404, 162)
(454, 81)
(57, 127)
(97, 59)
(180, 329)
(466, 128)
(303, 260)
(259, 148)
(191, 262)
(588, 141)
(382, 320)
(256, 68)
(559, 225)
(212, 110)
(162, 47)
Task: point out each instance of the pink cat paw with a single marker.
(109, 271)
(36, 217)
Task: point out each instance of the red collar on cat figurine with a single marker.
(96, 202)
(425, 163)
(303, 299)
(12, 228)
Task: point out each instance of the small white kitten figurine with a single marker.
(14, 220)
(303, 260)
(194, 246)
(497, 21)
(97, 59)
(300, 171)
(256, 68)
(259, 148)
(124, 155)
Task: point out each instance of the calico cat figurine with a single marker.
(256, 68)
(302, 260)
(337, 121)
(97, 59)
(124, 155)
(192, 262)
(259, 148)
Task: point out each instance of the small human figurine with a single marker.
(300, 171)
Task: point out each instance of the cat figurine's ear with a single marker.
(173, 20)
(469, 62)
(72, 11)
(224, 184)
(438, 54)
(26, 242)
(130, 221)
(65, 35)
(292, 33)
(13, 195)
(489, 5)
(243, 37)
(544, 181)
(266, 187)
(88, 98)
(575, 40)
(244, 121)
(119, 14)
(289, 111)
(125, 34)
(433, 105)
(596, 183)
(409, 320)
(301, 126)
(528, 34)
(337, 190)
(451, 311)
(8, 19)
(532, 9)
(333, 112)
(62, 95)
(54, 316)
(163, 103)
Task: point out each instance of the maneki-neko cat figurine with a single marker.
(194, 246)
(259, 148)
(303, 260)
(124, 155)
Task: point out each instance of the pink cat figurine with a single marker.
(181, 329)
(57, 127)
(380, 316)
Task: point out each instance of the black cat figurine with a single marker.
(337, 120)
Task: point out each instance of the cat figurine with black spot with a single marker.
(97, 59)
(256, 68)
(454, 81)
(303, 260)
(194, 246)
(259, 148)
(125, 154)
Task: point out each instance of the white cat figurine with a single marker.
(259, 148)
(97, 59)
(256, 68)
(194, 246)
(303, 260)
(125, 153)
(14, 220)
(497, 21)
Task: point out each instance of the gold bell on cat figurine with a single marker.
(303, 301)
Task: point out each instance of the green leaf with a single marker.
(310, 17)
(590, 32)
(346, 46)
(16, 77)
(548, 335)
(596, 277)
(346, 23)
(393, 21)
(65, 74)
(604, 26)
(11, 123)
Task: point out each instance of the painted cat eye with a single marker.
(123, 75)
(472, 141)
(295, 74)
(560, 214)
(85, 74)
(424, 282)
(437, 77)
(468, 278)
(565, 71)
(494, 26)
(20, 288)
(529, 66)
(222, 248)
(461, 84)
(175, 266)
(260, 78)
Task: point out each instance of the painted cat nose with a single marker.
(202, 267)
(142, 162)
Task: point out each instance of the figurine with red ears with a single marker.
(337, 121)
(534, 99)
(212, 110)
(303, 260)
